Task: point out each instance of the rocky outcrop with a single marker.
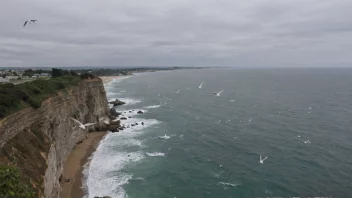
(113, 112)
(117, 102)
(39, 140)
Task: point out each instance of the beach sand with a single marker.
(73, 166)
(107, 79)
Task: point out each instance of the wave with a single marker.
(152, 106)
(138, 178)
(130, 101)
(228, 184)
(165, 137)
(155, 154)
(104, 175)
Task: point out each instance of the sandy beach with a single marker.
(73, 166)
(107, 79)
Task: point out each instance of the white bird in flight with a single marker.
(307, 142)
(261, 160)
(82, 126)
(29, 21)
(232, 100)
(200, 86)
(218, 94)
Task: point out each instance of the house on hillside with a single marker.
(4, 80)
(35, 75)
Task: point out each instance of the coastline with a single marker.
(78, 158)
(107, 79)
(74, 165)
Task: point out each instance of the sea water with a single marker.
(196, 144)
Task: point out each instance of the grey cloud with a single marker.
(234, 33)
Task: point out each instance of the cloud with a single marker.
(252, 33)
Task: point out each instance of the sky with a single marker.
(211, 33)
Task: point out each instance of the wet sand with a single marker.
(73, 166)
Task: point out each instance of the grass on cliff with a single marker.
(15, 97)
(11, 186)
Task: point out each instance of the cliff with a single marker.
(38, 141)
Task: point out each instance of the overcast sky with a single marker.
(235, 33)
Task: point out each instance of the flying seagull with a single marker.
(200, 86)
(29, 21)
(82, 126)
(261, 160)
(218, 94)
(307, 142)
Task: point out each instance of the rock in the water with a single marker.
(113, 112)
(136, 124)
(123, 118)
(129, 117)
(133, 125)
(113, 128)
(117, 102)
(111, 117)
(117, 122)
(142, 123)
(130, 111)
(140, 112)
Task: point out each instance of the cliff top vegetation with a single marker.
(33, 93)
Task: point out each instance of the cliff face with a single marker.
(38, 141)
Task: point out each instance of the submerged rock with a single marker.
(123, 118)
(140, 112)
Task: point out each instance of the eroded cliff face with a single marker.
(38, 141)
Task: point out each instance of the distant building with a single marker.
(4, 80)
(35, 75)
(45, 74)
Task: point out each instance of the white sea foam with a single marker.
(104, 175)
(130, 101)
(152, 106)
(155, 154)
(165, 137)
(138, 178)
(228, 184)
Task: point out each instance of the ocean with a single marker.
(194, 144)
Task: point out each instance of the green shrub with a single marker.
(7, 85)
(34, 103)
(15, 97)
(11, 186)
(87, 76)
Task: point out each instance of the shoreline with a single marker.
(107, 79)
(74, 165)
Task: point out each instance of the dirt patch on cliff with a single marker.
(28, 151)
